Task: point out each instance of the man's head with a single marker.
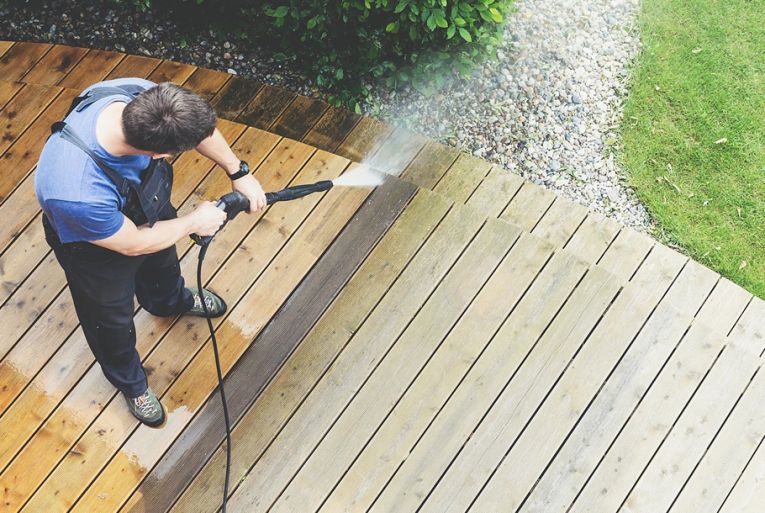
(167, 119)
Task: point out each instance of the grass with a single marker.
(694, 131)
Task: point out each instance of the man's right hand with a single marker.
(207, 218)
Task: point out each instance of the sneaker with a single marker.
(215, 304)
(146, 408)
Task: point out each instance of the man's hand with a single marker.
(250, 187)
(207, 219)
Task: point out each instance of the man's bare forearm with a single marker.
(162, 235)
(217, 149)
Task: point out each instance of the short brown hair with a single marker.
(167, 118)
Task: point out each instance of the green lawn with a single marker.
(694, 131)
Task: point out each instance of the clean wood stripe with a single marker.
(284, 393)
(96, 65)
(528, 206)
(560, 221)
(92, 392)
(52, 68)
(331, 129)
(68, 365)
(20, 58)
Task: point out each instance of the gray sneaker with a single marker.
(146, 408)
(214, 303)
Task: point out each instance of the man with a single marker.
(104, 187)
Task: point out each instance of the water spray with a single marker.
(234, 203)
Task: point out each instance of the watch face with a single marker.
(243, 166)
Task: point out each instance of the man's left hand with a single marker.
(250, 187)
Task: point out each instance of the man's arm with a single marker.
(132, 240)
(217, 149)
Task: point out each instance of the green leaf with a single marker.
(441, 22)
(339, 74)
(460, 22)
(357, 108)
(281, 11)
(495, 15)
(400, 7)
(466, 35)
(451, 31)
(311, 23)
(431, 22)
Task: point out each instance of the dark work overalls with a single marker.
(103, 282)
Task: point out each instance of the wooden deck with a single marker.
(456, 340)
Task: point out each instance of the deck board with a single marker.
(398, 350)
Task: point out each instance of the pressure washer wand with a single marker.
(235, 202)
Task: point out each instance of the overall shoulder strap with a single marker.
(98, 93)
(68, 134)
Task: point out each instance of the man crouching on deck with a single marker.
(104, 187)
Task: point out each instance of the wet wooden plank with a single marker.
(355, 422)
(187, 395)
(298, 118)
(365, 139)
(171, 71)
(134, 66)
(55, 65)
(264, 109)
(254, 371)
(234, 97)
(94, 67)
(396, 152)
(207, 82)
(430, 165)
(20, 58)
(331, 129)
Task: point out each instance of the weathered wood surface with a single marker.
(397, 351)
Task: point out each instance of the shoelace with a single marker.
(198, 302)
(145, 405)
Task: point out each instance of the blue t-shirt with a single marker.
(79, 199)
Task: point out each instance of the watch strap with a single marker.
(244, 170)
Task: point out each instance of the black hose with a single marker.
(226, 420)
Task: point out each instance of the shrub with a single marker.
(345, 44)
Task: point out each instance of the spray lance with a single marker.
(233, 203)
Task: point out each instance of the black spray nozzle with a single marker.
(235, 202)
(297, 191)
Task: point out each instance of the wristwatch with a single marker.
(244, 170)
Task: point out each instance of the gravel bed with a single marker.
(549, 109)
